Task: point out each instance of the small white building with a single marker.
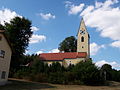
(5, 57)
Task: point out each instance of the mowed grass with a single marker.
(16, 84)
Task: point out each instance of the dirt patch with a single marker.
(83, 87)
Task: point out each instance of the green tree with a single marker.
(87, 73)
(1, 27)
(56, 78)
(56, 67)
(115, 75)
(18, 31)
(106, 71)
(68, 45)
(37, 66)
(25, 59)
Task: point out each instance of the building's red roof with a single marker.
(62, 56)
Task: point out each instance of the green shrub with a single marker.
(88, 73)
(82, 73)
(21, 74)
(69, 77)
(41, 77)
(56, 78)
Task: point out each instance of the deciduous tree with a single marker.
(68, 45)
(18, 31)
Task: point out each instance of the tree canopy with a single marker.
(18, 31)
(1, 27)
(69, 44)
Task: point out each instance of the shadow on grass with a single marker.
(24, 85)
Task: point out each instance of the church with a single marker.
(67, 58)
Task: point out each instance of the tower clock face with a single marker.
(82, 32)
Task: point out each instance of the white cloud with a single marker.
(113, 64)
(26, 52)
(37, 38)
(105, 18)
(68, 3)
(39, 52)
(115, 44)
(48, 51)
(6, 15)
(98, 4)
(33, 28)
(74, 9)
(54, 51)
(94, 48)
(47, 16)
(88, 9)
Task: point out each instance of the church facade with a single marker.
(67, 58)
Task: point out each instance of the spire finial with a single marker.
(82, 20)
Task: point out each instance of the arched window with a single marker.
(82, 39)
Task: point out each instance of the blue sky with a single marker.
(54, 20)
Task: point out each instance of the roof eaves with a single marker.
(51, 60)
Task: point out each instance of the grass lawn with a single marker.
(15, 84)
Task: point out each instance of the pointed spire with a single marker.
(82, 25)
(82, 20)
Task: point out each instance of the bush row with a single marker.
(82, 73)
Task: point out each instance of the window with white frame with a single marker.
(2, 53)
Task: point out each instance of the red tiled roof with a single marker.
(62, 56)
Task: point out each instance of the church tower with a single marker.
(83, 39)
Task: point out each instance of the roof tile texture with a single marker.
(62, 56)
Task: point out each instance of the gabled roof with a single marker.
(3, 32)
(62, 56)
